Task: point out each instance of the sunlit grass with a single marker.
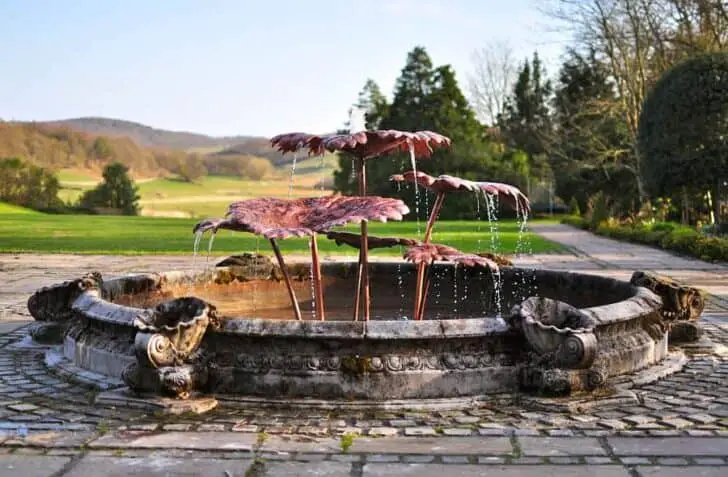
(152, 235)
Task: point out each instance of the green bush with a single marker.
(599, 211)
(575, 221)
(574, 207)
(665, 235)
(682, 127)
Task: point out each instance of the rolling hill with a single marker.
(148, 136)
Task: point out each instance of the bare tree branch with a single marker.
(489, 84)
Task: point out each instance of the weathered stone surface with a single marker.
(560, 446)
(176, 440)
(196, 404)
(379, 360)
(31, 466)
(434, 445)
(300, 444)
(304, 469)
(439, 470)
(95, 466)
(693, 471)
(50, 438)
(669, 446)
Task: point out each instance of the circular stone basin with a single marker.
(254, 349)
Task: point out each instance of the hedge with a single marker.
(665, 235)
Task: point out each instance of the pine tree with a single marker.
(526, 119)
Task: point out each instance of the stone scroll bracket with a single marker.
(52, 307)
(562, 347)
(682, 305)
(169, 361)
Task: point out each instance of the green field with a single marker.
(14, 210)
(209, 197)
(35, 232)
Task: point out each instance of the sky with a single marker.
(239, 67)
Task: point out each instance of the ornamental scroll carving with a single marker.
(166, 346)
(52, 307)
(562, 346)
(681, 306)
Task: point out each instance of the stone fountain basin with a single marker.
(457, 351)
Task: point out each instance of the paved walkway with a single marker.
(50, 426)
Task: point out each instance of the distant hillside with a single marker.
(259, 147)
(58, 147)
(147, 136)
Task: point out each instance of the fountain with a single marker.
(236, 331)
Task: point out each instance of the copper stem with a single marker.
(317, 285)
(426, 288)
(357, 294)
(363, 278)
(419, 291)
(287, 278)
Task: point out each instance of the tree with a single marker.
(639, 40)
(491, 81)
(257, 168)
(590, 146)
(28, 185)
(425, 98)
(101, 148)
(375, 107)
(683, 134)
(373, 103)
(191, 168)
(526, 122)
(116, 191)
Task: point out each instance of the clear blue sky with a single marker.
(219, 67)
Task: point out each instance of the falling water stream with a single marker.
(293, 173)
(491, 205)
(209, 249)
(413, 162)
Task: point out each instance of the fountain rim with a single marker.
(91, 305)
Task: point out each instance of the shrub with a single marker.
(599, 210)
(574, 207)
(575, 221)
(682, 128)
(665, 235)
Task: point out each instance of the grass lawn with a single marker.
(14, 210)
(211, 196)
(46, 233)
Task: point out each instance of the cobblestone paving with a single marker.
(50, 425)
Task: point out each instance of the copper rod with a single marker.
(317, 285)
(287, 278)
(419, 291)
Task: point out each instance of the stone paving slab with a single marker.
(435, 470)
(94, 466)
(217, 441)
(434, 445)
(677, 446)
(560, 446)
(277, 443)
(663, 471)
(24, 466)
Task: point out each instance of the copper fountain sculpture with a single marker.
(427, 253)
(283, 218)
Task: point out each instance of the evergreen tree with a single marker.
(117, 191)
(526, 119)
(429, 98)
(375, 106)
